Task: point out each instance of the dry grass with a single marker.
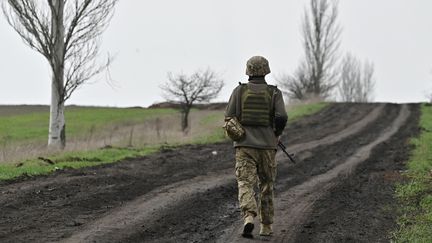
(160, 130)
(164, 129)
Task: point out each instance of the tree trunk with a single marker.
(57, 127)
(185, 119)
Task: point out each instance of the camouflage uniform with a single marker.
(255, 152)
(250, 164)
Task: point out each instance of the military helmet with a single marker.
(257, 66)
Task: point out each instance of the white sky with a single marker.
(151, 38)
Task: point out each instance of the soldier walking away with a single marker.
(255, 118)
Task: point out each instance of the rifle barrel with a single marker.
(282, 146)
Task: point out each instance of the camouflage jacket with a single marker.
(257, 136)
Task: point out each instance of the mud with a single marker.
(302, 184)
(189, 195)
(362, 207)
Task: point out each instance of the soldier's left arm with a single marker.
(231, 109)
(281, 116)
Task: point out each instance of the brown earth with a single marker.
(340, 190)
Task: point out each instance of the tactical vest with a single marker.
(256, 107)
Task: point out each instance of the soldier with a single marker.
(255, 118)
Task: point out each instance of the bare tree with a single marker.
(67, 33)
(201, 86)
(357, 80)
(316, 74)
(297, 86)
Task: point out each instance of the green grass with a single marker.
(72, 160)
(214, 121)
(211, 119)
(84, 118)
(303, 110)
(79, 120)
(415, 196)
(215, 136)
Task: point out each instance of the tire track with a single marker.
(338, 136)
(127, 219)
(52, 207)
(116, 225)
(293, 205)
(330, 120)
(327, 116)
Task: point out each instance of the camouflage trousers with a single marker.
(256, 166)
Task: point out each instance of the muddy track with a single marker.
(186, 194)
(189, 189)
(301, 185)
(354, 209)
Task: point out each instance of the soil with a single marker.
(341, 189)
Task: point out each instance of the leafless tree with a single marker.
(67, 33)
(201, 86)
(317, 72)
(298, 85)
(357, 80)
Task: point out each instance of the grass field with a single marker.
(79, 120)
(106, 135)
(415, 196)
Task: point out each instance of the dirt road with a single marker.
(341, 189)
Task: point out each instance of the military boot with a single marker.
(248, 226)
(266, 230)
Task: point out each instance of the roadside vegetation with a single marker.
(303, 109)
(106, 135)
(415, 196)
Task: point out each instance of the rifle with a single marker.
(282, 146)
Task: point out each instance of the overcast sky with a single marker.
(151, 38)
